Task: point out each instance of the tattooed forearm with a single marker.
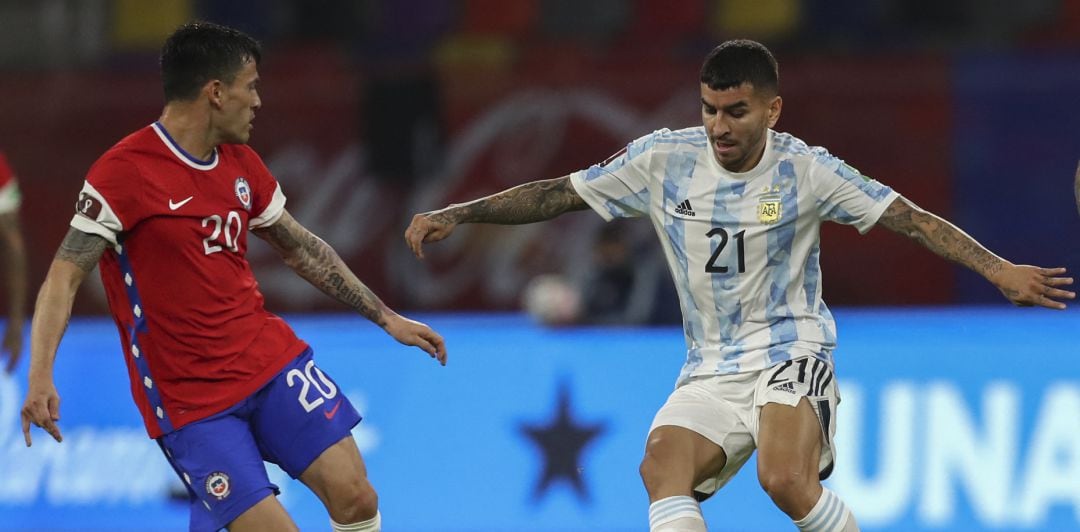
(940, 236)
(350, 291)
(523, 204)
(82, 249)
(314, 260)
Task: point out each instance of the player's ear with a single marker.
(774, 110)
(214, 91)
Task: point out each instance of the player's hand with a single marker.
(411, 332)
(427, 227)
(12, 344)
(41, 408)
(1028, 286)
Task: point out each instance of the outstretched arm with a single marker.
(314, 260)
(78, 254)
(13, 256)
(524, 204)
(1023, 285)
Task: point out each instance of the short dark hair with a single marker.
(741, 61)
(198, 52)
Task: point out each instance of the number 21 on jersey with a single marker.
(740, 252)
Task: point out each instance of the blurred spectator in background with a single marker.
(400, 101)
(626, 285)
(610, 289)
(13, 259)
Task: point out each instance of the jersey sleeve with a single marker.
(268, 201)
(9, 188)
(844, 195)
(619, 186)
(109, 202)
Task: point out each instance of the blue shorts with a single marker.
(290, 421)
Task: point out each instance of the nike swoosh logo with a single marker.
(174, 206)
(333, 411)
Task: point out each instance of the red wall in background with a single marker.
(545, 115)
(893, 120)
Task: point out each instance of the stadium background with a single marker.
(374, 110)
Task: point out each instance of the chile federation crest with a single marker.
(217, 484)
(243, 192)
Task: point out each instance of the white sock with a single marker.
(676, 514)
(371, 525)
(830, 514)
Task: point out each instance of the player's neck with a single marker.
(189, 129)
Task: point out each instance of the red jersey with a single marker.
(195, 335)
(9, 189)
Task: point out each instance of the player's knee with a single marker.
(654, 472)
(785, 487)
(774, 484)
(360, 504)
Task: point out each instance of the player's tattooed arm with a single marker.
(81, 249)
(314, 260)
(532, 202)
(940, 236)
(78, 254)
(1023, 285)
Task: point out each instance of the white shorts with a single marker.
(726, 410)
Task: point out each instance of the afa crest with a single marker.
(243, 192)
(769, 211)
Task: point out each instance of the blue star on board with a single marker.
(561, 442)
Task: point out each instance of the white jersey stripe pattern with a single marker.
(743, 249)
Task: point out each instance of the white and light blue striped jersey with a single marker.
(743, 248)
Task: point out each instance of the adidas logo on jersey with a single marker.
(685, 209)
(788, 387)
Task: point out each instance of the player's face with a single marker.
(736, 121)
(239, 101)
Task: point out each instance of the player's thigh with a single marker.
(797, 402)
(338, 473)
(267, 515)
(301, 413)
(703, 424)
(222, 467)
(678, 451)
(789, 440)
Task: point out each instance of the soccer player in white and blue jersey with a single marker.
(737, 208)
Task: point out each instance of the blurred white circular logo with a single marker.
(217, 484)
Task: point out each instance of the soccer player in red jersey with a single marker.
(222, 384)
(13, 260)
